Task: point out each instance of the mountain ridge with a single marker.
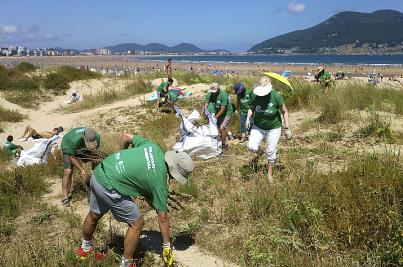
(346, 31)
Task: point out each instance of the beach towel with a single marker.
(198, 141)
(39, 153)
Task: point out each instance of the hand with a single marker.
(247, 123)
(168, 256)
(83, 174)
(288, 133)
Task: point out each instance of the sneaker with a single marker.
(82, 254)
(65, 202)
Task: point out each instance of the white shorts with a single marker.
(272, 138)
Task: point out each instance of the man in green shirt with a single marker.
(10, 148)
(74, 143)
(218, 103)
(243, 100)
(266, 105)
(162, 91)
(141, 170)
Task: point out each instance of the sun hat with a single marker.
(89, 138)
(239, 88)
(180, 165)
(263, 90)
(214, 88)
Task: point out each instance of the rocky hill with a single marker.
(346, 32)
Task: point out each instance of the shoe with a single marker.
(66, 202)
(82, 254)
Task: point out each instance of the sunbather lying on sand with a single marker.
(32, 133)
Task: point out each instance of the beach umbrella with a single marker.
(279, 78)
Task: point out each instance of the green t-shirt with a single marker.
(173, 95)
(9, 147)
(266, 110)
(137, 171)
(244, 101)
(216, 101)
(161, 87)
(74, 140)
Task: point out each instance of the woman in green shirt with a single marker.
(266, 106)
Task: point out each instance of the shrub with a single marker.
(25, 67)
(74, 74)
(375, 125)
(56, 82)
(10, 115)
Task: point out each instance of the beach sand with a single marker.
(144, 65)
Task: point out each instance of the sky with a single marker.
(235, 25)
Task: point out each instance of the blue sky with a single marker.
(235, 25)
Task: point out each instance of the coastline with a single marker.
(148, 64)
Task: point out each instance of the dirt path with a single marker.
(46, 118)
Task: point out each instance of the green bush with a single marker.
(10, 115)
(75, 74)
(57, 82)
(25, 67)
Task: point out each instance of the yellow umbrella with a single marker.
(279, 78)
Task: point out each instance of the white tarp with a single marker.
(39, 153)
(198, 141)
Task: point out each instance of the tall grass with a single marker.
(7, 115)
(110, 95)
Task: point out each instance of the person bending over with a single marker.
(74, 143)
(143, 170)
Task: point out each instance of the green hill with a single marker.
(380, 30)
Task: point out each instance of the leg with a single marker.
(273, 137)
(243, 127)
(31, 132)
(132, 238)
(256, 136)
(67, 178)
(223, 126)
(125, 140)
(90, 224)
(25, 131)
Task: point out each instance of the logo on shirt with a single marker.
(148, 154)
(119, 166)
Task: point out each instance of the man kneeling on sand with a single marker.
(30, 132)
(142, 170)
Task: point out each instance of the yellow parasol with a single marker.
(279, 78)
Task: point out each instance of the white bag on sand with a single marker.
(201, 142)
(39, 153)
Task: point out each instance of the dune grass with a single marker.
(136, 86)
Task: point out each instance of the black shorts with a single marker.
(37, 136)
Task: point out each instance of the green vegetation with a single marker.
(23, 87)
(7, 115)
(109, 95)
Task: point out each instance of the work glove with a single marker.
(288, 133)
(247, 123)
(168, 256)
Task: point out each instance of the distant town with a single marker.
(21, 51)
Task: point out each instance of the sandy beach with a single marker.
(149, 65)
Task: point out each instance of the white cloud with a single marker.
(27, 34)
(8, 29)
(296, 7)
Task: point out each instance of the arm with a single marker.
(221, 112)
(158, 101)
(237, 106)
(75, 163)
(125, 140)
(250, 113)
(284, 111)
(163, 220)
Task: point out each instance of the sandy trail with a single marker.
(46, 117)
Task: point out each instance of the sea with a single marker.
(376, 60)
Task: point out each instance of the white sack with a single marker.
(39, 153)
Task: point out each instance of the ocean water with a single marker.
(287, 59)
